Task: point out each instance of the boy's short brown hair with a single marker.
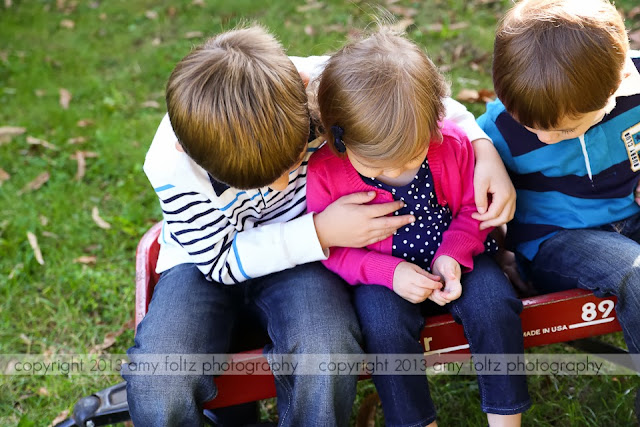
(385, 93)
(558, 58)
(238, 107)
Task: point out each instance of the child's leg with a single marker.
(490, 314)
(187, 315)
(307, 310)
(601, 261)
(391, 325)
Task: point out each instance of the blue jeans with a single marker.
(305, 310)
(489, 312)
(605, 260)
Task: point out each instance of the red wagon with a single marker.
(570, 316)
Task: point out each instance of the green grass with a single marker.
(115, 59)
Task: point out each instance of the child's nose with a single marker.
(548, 137)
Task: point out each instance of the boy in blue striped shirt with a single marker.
(567, 126)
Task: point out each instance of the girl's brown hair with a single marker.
(558, 58)
(385, 94)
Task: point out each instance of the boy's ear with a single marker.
(305, 78)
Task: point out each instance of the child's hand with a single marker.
(413, 283)
(349, 223)
(636, 193)
(449, 269)
(491, 178)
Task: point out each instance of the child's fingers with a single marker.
(436, 297)
(358, 198)
(430, 276)
(392, 222)
(384, 209)
(482, 201)
(427, 283)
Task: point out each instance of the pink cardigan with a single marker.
(451, 162)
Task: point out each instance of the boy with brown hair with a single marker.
(229, 165)
(567, 126)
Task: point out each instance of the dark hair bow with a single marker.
(338, 132)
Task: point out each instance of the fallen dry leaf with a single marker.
(65, 98)
(50, 235)
(76, 140)
(151, 14)
(110, 337)
(95, 215)
(193, 34)
(7, 3)
(481, 96)
(150, 104)
(80, 156)
(8, 132)
(171, 12)
(36, 141)
(402, 24)
(42, 391)
(68, 24)
(157, 41)
(312, 5)
(11, 130)
(33, 241)
(486, 95)
(308, 30)
(61, 417)
(39, 93)
(25, 339)
(438, 27)
(84, 123)
(82, 165)
(38, 182)
(4, 176)
(43, 220)
(16, 269)
(407, 12)
(85, 260)
(198, 2)
(337, 28)
(86, 154)
(468, 95)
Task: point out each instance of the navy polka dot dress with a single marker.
(418, 242)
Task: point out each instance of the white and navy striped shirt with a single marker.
(234, 235)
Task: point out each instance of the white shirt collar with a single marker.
(629, 86)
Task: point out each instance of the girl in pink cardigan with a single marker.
(380, 105)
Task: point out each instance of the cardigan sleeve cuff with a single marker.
(379, 269)
(461, 247)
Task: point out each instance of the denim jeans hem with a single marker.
(511, 411)
(424, 422)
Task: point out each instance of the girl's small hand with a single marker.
(449, 269)
(350, 223)
(413, 283)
